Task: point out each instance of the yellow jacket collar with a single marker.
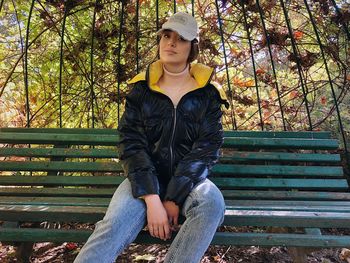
(200, 72)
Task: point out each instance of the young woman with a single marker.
(170, 133)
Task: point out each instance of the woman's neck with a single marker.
(178, 75)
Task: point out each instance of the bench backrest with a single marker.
(254, 164)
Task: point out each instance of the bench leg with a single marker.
(23, 252)
(298, 254)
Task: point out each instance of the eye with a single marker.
(182, 39)
(166, 35)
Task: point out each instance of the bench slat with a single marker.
(280, 134)
(63, 130)
(278, 156)
(232, 217)
(59, 152)
(259, 183)
(271, 239)
(315, 206)
(286, 218)
(220, 238)
(55, 138)
(61, 180)
(61, 166)
(277, 170)
(263, 134)
(221, 182)
(112, 140)
(228, 194)
(59, 192)
(284, 195)
(112, 153)
(281, 143)
(219, 169)
(98, 201)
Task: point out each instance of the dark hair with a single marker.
(194, 51)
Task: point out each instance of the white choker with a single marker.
(182, 73)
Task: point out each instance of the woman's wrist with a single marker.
(151, 198)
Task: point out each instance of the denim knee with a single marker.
(210, 201)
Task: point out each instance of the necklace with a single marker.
(179, 74)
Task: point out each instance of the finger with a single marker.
(167, 231)
(162, 231)
(156, 232)
(176, 220)
(150, 230)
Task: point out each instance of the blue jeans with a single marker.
(204, 210)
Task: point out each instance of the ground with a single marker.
(66, 252)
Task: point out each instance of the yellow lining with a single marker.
(201, 73)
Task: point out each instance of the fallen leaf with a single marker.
(71, 246)
(147, 257)
(345, 255)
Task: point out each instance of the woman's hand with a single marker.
(173, 213)
(157, 218)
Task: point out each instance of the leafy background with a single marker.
(106, 42)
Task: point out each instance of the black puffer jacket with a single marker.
(166, 150)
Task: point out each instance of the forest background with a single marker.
(65, 63)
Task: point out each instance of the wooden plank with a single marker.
(224, 183)
(112, 140)
(284, 195)
(40, 213)
(275, 183)
(289, 240)
(279, 157)
(59, 152)
(61, 180)
(235, 217)
(113, 153)
(265, 134)
(56, 138)
(62, 130)
(281, 143)
(219, 169)
(228, 194)
(286, 218)
(52, 201)
(96, 201)
(287, 203)
(315, 206)
(220, 238)
(280, 134)
(275, 208)
(277, 170)
(57, 192)
(61, 166)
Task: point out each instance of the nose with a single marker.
(172, 41)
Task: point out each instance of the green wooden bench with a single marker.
(291, 180)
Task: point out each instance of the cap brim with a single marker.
(182, 34)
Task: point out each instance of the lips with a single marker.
(170, 51)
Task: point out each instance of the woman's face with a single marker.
(173, 49)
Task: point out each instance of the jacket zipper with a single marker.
(171, 143)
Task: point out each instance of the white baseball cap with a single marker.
(184, 24)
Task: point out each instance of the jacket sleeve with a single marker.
(196, 165)
(133, 148)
